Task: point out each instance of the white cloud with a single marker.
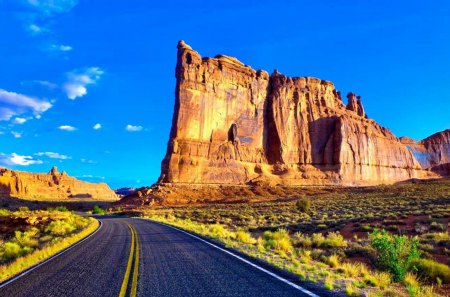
(15, 159)
(60, 47)
(86, 161)
(67, 128)
(19, 121)
(16, 134)
(77, 81)
(65, 48)
(97, 126)
(35, 29)
(40, 14)
(91, 176)
(52, 7)
(47, 84)
(13, 104)
(53, 155)
(133, 128)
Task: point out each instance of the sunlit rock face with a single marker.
(50, 186)
(236, 125)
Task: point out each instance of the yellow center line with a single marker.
(136, 267)
(123, 288)
(134, 254)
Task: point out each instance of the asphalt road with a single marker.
(171, 263)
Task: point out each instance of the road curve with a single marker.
(171, 263)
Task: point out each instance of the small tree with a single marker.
(303, 204)
(395, 253)
(98, 210)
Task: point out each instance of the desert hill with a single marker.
(50, 186)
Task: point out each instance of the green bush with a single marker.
(98, 210)
(58, 208)
(432, 270)
(4, 212)
(395, 253)
(303, 204)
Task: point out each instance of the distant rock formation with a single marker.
(122, 192)
(236, 125)
(50, 186)
(433, 152)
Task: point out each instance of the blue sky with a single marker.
(89, 85)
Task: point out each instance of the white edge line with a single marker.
(49, 259)
(303, 290)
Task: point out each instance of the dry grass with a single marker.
(44, 234)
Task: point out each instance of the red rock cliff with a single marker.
(50, 186)
(236, 125)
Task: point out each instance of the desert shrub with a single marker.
(278, 240)
(98, 210)
(350, 269)
(432, 270)
(333, 261)
(335, 239)
(318, 239)
(328, 283)
(395, 253)
(245, 237)
(412, 284)
(332, 240)
(80, 222)
(10, 251)
(302, 240)
(26, 238)
(351, 290)
(303, 204)
(218, 231)
(60, 227)
(437, 236)
(378, 279)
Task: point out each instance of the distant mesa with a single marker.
(50, 186)
(233, 125)
(122, 192)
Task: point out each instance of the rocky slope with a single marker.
(50, 186)
(236, 125)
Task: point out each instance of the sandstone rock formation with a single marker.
(50, 186)
(236, 125)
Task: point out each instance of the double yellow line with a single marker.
(134, 254)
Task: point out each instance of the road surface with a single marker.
(168, 261)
